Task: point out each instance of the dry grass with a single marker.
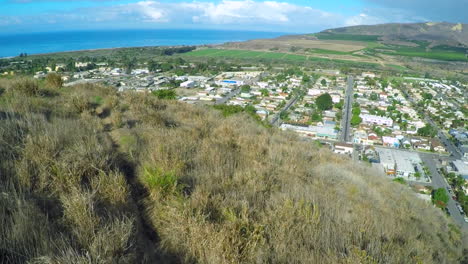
(129, 178)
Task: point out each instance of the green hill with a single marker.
(439, 33)
(88, 175)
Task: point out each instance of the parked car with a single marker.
(466, 219)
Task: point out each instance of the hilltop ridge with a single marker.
(89, 175)
(455, 34)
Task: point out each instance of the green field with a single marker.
(444, 53)
(245, 54)
(332, 52)
(286, 57)
(349, 37)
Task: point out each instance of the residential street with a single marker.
(276, 118)
(228, 97)
(438, 181)
(347, 108)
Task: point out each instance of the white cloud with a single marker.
(226, 14)
(363, 19)
(234, 14)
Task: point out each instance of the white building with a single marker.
(368, 74)
(399, 163)
(188, 84)
(343, 148)
(376, 120)
(336, 98)
(314, 92)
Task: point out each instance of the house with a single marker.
(343, 148)
(335, 98)
(399, 163)
(368, 74)
(391, 142)
(460, 168)
(387, 161)
(314, 92)
(187, 84)
(437, 146)
(319, 132)
(376, 120)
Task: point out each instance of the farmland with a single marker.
(246, 54)
(271, 56)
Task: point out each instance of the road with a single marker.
(438, 181)
(448, 144)
(347, 112)
(227, 97)
(275, 119)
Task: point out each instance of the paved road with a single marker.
(275, 119)
(448, 144)
(438, 181)
(347, 111)
(227, 97)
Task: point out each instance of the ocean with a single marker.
(35, 43)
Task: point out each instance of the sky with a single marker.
(295, 16)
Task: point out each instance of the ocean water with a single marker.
(35, 43)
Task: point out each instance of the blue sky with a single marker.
(18, 16)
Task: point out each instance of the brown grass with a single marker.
(150, 181)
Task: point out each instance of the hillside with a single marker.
(436, 33)
(89, 175)
(385, 44)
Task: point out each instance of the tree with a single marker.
(440, 197)
(399, 180)
(339, 105)
(245, 88)
(264, 92)
(153, 66)
(316, 117)
(324, 102)
(427, 131)
(165, 94)
(54, 80)
(374, 96)
(356, 120)
(323, 82)
(427, 96)
(356, 111)
(417, 175)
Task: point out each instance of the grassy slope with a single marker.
(89, 175)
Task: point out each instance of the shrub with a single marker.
(165, 94)
(54, 80)
(26, 86)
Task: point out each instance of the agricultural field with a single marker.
(438, 53)
(245, 54)
(347, 37)
(280, 56)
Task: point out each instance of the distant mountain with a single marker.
(439, 33)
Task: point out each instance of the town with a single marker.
(413, 130)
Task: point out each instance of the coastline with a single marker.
(40, 44)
